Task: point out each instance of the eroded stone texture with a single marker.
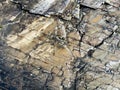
(99, 3)
(115, 3)
(93, 3)
(45, 41)
(63, 8)
(60, 52)
(96, 28)
(41, 49)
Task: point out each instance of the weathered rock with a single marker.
(48, 45)
(115, 3)
(95, 32)
(93, 3)
(114, 65)
(45, 43)
(65, 8)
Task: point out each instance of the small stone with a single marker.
(12, 65)
(36, 72)
(115, 27)
(61, 88)
(76, 12)
(60, 73)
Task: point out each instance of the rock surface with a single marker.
(59, 45)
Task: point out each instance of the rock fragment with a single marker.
(115, 3)
(93, 3)
(96, 30)
(50, 7)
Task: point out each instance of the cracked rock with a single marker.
(50, 7)
(59, 45)
(93, 3)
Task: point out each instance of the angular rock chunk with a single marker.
(115, 3)
(28, 38)
(96, 28)
(98, 3)
(47, 7)
(93, 3)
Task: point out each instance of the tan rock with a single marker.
(94, 28)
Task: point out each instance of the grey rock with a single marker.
(115, 3)
(48, 7)
(93, 3)
(113, 64)
(112, 88)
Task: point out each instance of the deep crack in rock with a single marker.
(59, 45)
